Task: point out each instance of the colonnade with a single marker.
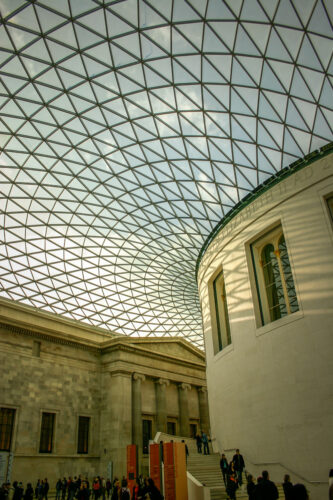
(161, 407)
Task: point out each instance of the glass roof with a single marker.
(130, 128)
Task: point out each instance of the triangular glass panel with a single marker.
(94, 21)
(269, 80)
(183, 12)
(180, 45)
(323, 48)
(253, 66)
(291, 38)
(276, 49)
(226, 31)
(307, 56)
(38, 50)
(244, 44)
(128, 11)
(181, 75)
(222, 63)
(120, 57)
(210, 74)
(219, 11)
(314, 80)
(304, 9)
(74, 65)
(64, 35)
(149, 17)
(319, 21)
(286, 15)
(131, 44)
(115, 25)
(252, 11)
(48, 19)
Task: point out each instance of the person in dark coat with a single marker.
(287, 487)
(266, 489)
(153, 491)
(299, 492)
(239, 465)
(29, 492)
(199, 443)
(250, 487)
(232, 485)
(18, 491)
(224, 468)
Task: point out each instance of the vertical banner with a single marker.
(154, 464)
(131, 466)
(180, 471)
(169, 472)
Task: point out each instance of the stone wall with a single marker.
(52, 366)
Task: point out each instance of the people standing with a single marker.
(199, 443)
(287, 487)
(232, 483)
(250, 487)
(204, 439)
(29, 492)
(266, 489)
(224, 468)
(46, 488)
(239, 465)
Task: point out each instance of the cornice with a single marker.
(51, 338)
(121, 346)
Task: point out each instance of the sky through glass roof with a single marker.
(128, 129)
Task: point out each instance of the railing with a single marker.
(289, 471)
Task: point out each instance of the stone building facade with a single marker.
(78, 395)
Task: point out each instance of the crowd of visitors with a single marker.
(263, 489)
(78, 488)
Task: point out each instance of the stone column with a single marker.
(136, 411)
(161, 407)
(116, 419)
(203, 409)
(184, 428)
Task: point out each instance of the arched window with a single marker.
(275, 284)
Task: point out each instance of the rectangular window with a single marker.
(193, 430)
(219, 305)
(146, 435)
(7, 416)
(273, 276)
(46, 433)
(83, 435)
(171, 428)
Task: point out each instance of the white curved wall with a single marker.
(270, 391)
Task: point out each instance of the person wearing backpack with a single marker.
(124, 492)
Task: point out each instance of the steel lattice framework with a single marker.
(130, 128)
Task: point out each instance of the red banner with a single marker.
(131, 466)
(169, 472)
(154, 464)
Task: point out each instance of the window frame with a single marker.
(54, 419)
(145, 449)
(273, 236)
(86, 439)
(219, 311)
(10, 434)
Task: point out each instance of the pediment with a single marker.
(177, 348)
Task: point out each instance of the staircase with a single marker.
(206, 469)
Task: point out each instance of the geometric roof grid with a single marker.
(129, 129)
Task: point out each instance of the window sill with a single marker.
(279, 323)
(224, 352)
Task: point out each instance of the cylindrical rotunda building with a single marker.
(266, 288)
